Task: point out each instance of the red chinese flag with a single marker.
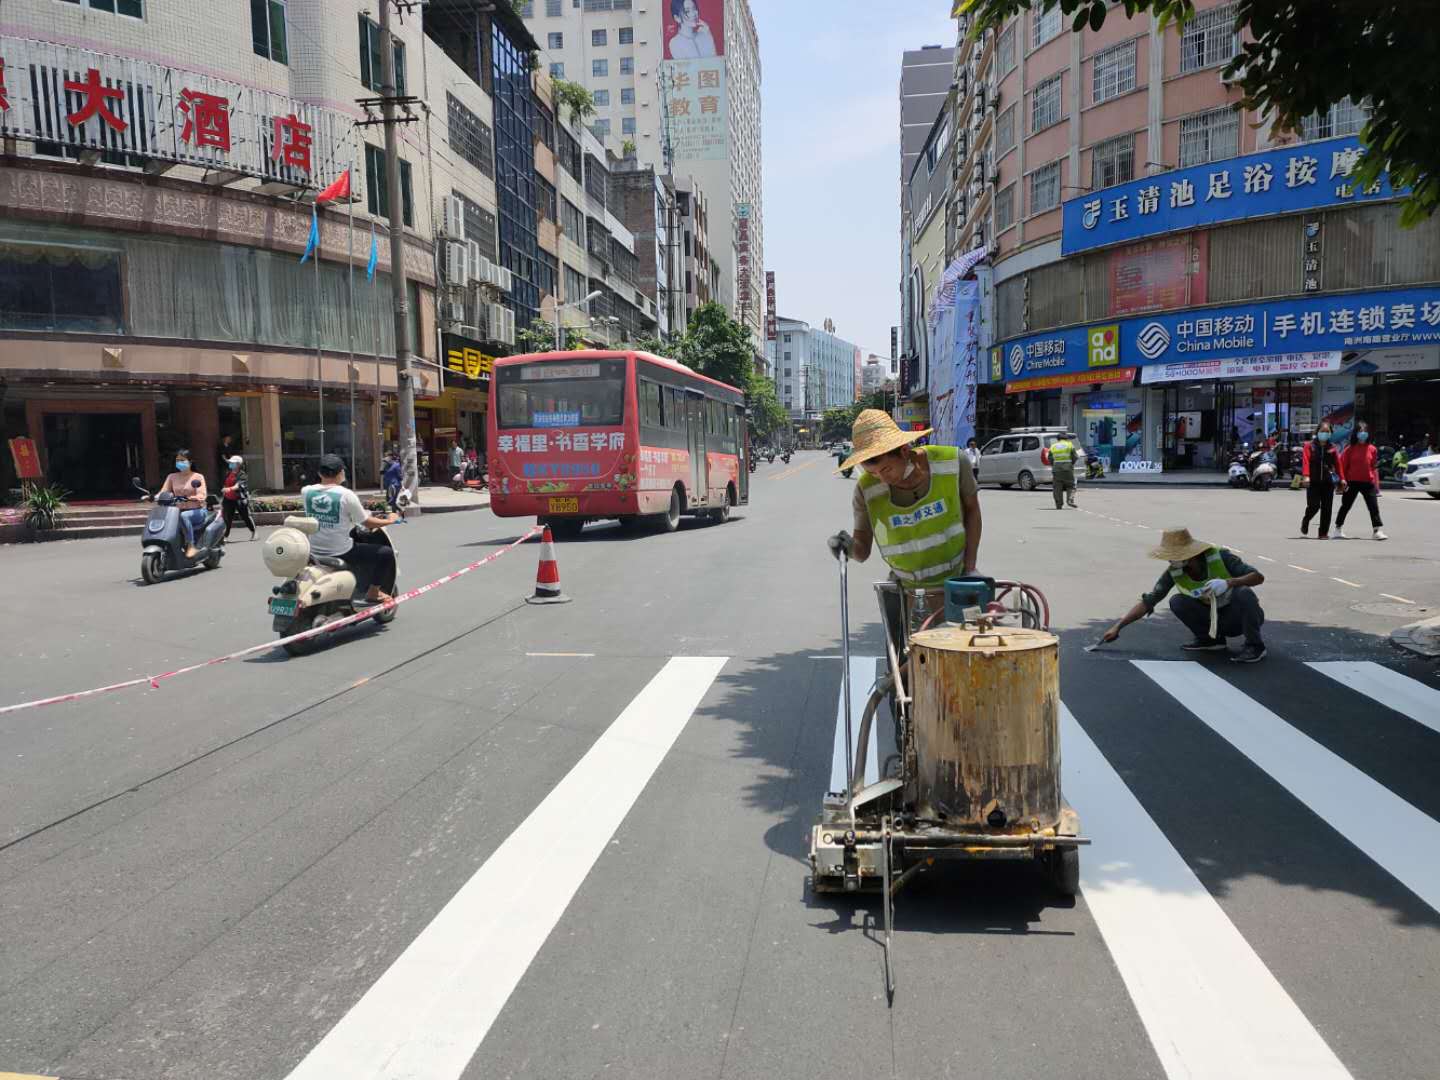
(340, 189)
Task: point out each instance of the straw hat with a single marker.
(875, 433)
(1177, 545)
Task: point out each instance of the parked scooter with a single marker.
(1260, 467)
(785, 457)
(317, 589)
(1239, 476)
(162, 544)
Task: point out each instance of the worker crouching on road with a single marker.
(918, 503)
(1062, 470)
(1216, 599)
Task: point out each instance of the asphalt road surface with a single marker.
(495, 840)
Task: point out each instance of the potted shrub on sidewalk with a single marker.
(42, 504)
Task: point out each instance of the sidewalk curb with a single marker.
(1421, 638)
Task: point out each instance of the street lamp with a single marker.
(561, 307)
(607, 321)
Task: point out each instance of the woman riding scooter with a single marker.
(339, 510)
(188, 488)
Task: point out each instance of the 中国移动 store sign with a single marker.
(1285, 180)
(1312, 363)
(1387, 319)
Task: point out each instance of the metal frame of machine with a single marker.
(865, 840)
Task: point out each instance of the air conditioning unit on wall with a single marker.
(453, 222)
(457, 263)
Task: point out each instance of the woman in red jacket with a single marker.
(1358, 468)
(1322, 476)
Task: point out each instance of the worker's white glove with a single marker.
(1217, 587)
(841, 541)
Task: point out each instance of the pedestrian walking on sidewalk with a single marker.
(1215, 596)
(1062, 470)
(1322, 476)
(236, 493)
(1360, 469)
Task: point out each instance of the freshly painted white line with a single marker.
(1211, 1007)
(1265, 557)
(1302, 569)
(1389, 688)
(580, 654)
(862, 680)
(425, 1016)
(1344, 582)
(1401, 599)
(1326, 783)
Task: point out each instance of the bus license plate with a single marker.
(283, 605)
(564, 506)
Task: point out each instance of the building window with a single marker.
(1208, 39)
(552, 9)
(627, 65)
(1005, 209)
(1045, 188)
(545, 198)
(1005, 131)
(557, 71)
(1045, 108)
(377, 197)
(602, 98)
(627, 125)
(1005, 51)
(76, 288)
(1342, 118)
(568, 153)
(370, 60)
(555, 40)
(627, 96)
(601, 128)
(470, 137)
(600, 68)
(1112, 162)
(1114, 72)
(787, 355)
(571, 220)
(597, 39)
(526, 9)
(479, 225)
(627, 35)
(1044, 25)
(267, 30)
(1209, 137)
(132, 8)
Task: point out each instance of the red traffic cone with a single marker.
(547, 576)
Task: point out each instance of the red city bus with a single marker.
(580, 436)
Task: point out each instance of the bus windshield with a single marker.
(584, 394)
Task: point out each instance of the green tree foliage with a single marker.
(716, 345)
(836, 423)
(575, 99)
(767, 415)
(1301, 58)
(539, 336)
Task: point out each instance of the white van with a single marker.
(1014, 459)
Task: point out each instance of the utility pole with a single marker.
(399, 286)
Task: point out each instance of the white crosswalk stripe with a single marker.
(1209, 1004)
(1389, 688)
(1400, 838)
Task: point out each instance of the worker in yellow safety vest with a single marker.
(1062, 470)
(920, 504)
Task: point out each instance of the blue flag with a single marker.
(314, 241)
(374, 255)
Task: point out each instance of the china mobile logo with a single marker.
(1017, 360)
(1152, 340)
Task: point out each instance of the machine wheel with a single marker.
(670, 520)
(846, 472)
(1026, 480)
(152, 566)
(1433, 494)
(386, 617)
(1062, 867)
(212, 561)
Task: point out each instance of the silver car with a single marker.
(1014, 459)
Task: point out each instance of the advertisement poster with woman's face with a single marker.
(694, 29)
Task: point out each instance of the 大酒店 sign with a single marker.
(96, 103)
(1286, 180)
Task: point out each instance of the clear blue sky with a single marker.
(830, 116)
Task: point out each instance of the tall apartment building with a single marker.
(1172, 276)
(681, 81)
(813, 368)
(925, 75)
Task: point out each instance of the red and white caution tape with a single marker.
(154, 681)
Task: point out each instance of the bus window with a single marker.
(649, 403)
(556, 395)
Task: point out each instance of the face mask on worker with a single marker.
(1364, 436)
(909, 468)
(182, 465)
(1323, 436)
(1177, 565)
